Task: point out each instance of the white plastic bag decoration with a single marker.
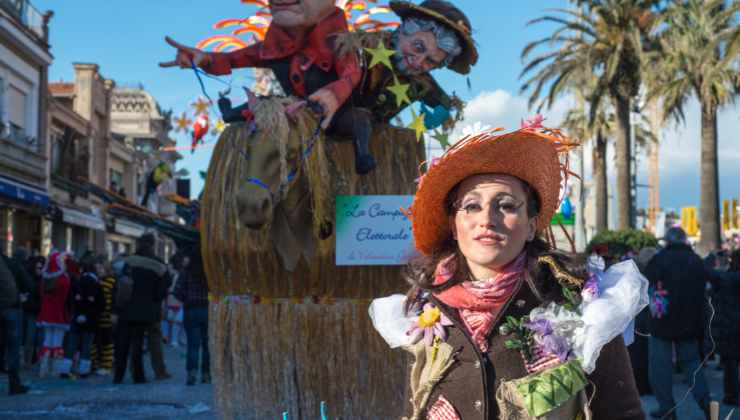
(623, 294)
(390, 319)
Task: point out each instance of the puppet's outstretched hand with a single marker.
(329, 103)
(186, 56)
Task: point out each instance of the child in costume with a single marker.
(500, 325)
(102, 351)
(54, 316)
(87, 306)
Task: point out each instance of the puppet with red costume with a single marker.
(299, 48)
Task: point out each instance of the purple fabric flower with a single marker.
(591, 288)
(431, 323)
(541, 327)
(556, 345)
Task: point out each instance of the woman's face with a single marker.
(490, 222)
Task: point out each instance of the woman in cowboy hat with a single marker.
(500, 325)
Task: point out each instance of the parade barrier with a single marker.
(286, 341)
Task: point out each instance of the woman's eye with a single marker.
(472, 207)
(419, 47)
(508, 206)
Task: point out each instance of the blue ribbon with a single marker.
(258, 182)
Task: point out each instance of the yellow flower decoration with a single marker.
(429, 317)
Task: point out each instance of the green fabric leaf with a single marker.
(549, 389)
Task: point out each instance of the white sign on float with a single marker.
(372, 230)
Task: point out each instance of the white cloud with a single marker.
(679, 151)
(500, 108)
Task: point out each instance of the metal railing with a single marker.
(26, 14)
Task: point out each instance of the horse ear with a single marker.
(292, 234)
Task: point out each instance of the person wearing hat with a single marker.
(678, 279)
(432, 35)
(55, 315)
(494, 314)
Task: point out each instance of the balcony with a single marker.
(26, 14)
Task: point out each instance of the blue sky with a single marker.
(126, 39)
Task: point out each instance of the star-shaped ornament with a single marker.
(417, 124)
(182, 123)
(380, 55)
(443, 138)
(400, 91)
(218, 127)
(201, 106)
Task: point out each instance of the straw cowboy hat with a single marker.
(447, 14)
(531, 155)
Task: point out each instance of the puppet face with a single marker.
(299, 13)
(418, 53)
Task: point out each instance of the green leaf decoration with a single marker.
(550, 389)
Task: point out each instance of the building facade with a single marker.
(24, 181)
(79, 121)
(140, 142)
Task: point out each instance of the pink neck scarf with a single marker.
(480, 302)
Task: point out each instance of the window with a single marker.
(17, 112)
(56, 153)
(116, 180)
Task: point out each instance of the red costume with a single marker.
(54, 312)
(302, 66)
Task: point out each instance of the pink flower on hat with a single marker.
(534, 122)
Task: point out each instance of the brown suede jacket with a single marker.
(471, 384)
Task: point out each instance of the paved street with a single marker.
(688, 410)
(98, 398)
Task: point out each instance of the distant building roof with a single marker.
(62, 89)
(134, 101)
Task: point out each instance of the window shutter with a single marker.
(17, 112)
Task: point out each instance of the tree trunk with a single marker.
(709, 208)
(600, 184)
(623, 162)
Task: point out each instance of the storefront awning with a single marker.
(88, 220)
(23, 192)
(127, 228)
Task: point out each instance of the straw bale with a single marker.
(240, 260)
(278, 357)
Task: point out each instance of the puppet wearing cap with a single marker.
(500, 325)
(434, 34)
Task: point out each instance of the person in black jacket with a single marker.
(150, 281)
(726, 300)
(31, 309)
(87, 305)
(192, 291)
(677, 283)
(12, 284)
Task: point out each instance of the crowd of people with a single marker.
(693, 316)
(74, 317)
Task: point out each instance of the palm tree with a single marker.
(700, 42)
(577, 123)
(606, 36)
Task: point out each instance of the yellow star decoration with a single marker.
(182, 123)
(417, 124)
(201, 106)
(380, 54)
(218, 126)
(401, 92)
